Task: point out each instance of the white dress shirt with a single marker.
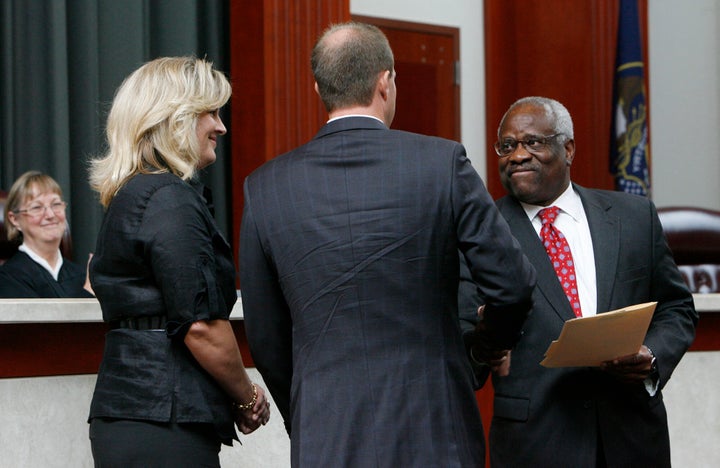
(573, 223)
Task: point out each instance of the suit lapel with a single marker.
(547, 282)
(605, 233)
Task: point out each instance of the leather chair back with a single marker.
(694, 238)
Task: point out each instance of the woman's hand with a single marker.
(213, 344)
(249, 417)
(87, 286)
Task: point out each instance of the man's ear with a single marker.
(317, 89)
(569, 151)
(383, 84)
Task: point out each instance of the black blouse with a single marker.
(159, 253)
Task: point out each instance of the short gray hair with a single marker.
(559, 115)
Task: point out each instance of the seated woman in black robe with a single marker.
(35, 214)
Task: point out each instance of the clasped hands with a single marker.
(247, 420)
(483, 353)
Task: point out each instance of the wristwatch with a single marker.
(653, 363)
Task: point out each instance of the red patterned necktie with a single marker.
(558, 250)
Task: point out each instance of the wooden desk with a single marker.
(45, 337)
(48, 337)
(707, 333)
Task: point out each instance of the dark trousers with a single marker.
(121, 443)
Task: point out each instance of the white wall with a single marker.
(684, 61)
(684, 102)
(467, 15)
(43, 423)
(692, 408)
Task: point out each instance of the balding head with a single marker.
(346, 63)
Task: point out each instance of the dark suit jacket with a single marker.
(349, 277)
(554, 417)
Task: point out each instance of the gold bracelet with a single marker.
(248, 405)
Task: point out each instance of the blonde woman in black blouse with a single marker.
(172, 381)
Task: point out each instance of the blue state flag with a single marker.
(629, 155)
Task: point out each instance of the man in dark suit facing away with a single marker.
(349, 276)
(581, 417)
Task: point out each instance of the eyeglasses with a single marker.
(533, 144)
(57, 207)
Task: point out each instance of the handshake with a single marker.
(483, 353)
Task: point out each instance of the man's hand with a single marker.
(484, 354)
(633, 368)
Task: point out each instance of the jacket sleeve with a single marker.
(503, 275)
(268, 324)
(672, 328)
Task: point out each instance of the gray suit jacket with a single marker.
(555, 417)
(349, 277)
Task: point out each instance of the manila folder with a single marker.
(590, 341)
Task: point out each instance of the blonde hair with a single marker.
(27, 186)
(152, 122)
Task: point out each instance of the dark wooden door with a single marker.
(426, 57)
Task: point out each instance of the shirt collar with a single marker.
(355, 115)
(569, 202)
(42, 262)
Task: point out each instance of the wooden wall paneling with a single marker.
(561, 49)
(274, 106)
(707, 332)
(46, 349)
(39, 349)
